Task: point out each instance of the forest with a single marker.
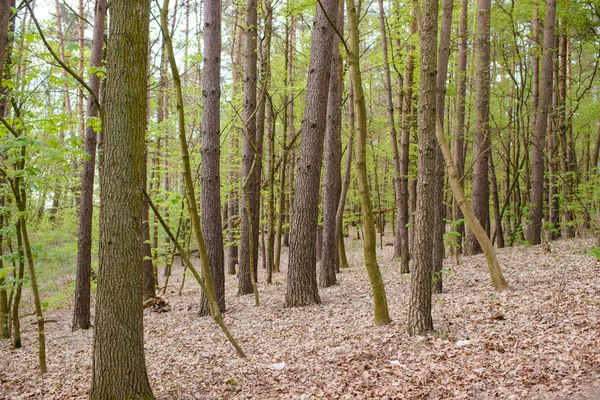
(299, 199)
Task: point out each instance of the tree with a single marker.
(381, 313)
(301, 287)
(419, 314)
(211, 152)
(534, 231)
(250, 204)
(119, 366)
(483, 144)
(332, 180)
(81, 308)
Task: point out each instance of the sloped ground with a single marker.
(539, 340)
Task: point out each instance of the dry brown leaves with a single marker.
(539, 340)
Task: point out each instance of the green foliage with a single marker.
(594, 251)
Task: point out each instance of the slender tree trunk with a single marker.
(442, 74)
(343, 260)
(250, 206)
(81, 309)
(461, 95)
(534, 231)
(302, 275)
(333, 159)
(498, 231)
(119, 366)
(18, 290)
(211, 153)
(403, 217)
(381, 314)
(481, 189)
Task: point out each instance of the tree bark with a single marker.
(250, 207)
(211, 153)
(81, 309)
(442, 74)
(481, 188)
(119, 366)
(333, 159)
(402, 218)
(302, 275)
(419, 314)
(534, 231)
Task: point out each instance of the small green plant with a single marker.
(594, 251)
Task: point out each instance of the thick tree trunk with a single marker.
(119, 366)
(419, 314)
(81, 309)
(534, 231)
(332, 183)
(481, 189)
(302, 275)
(211, 153)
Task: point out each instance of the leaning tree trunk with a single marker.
(118, 363)
(534, 231)
(333, 160)
(381, 313)
(302, 275)
(211, 153)
(481, 184)
(419, 313)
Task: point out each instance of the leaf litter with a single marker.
(538, 340)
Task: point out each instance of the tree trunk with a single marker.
(333, 160)
(534, 231)
(81, 309)
(211, 153)
(442, 74)
(481, 188)
(119, 366)
(498, 232)
(250, 206)
(419, 314)
(461, 95)
(302, 275)
(403, 216)
(381, 313)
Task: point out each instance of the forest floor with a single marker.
(539, 340)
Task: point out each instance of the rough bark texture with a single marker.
(534, 230)
(442, 73)
(419, 314)
(481, 188)
(249, 212)
(402, 218)
(332, 183)
(81, 308)
(211, 153)
(119, 366)
(461, 94)
(302, 275)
